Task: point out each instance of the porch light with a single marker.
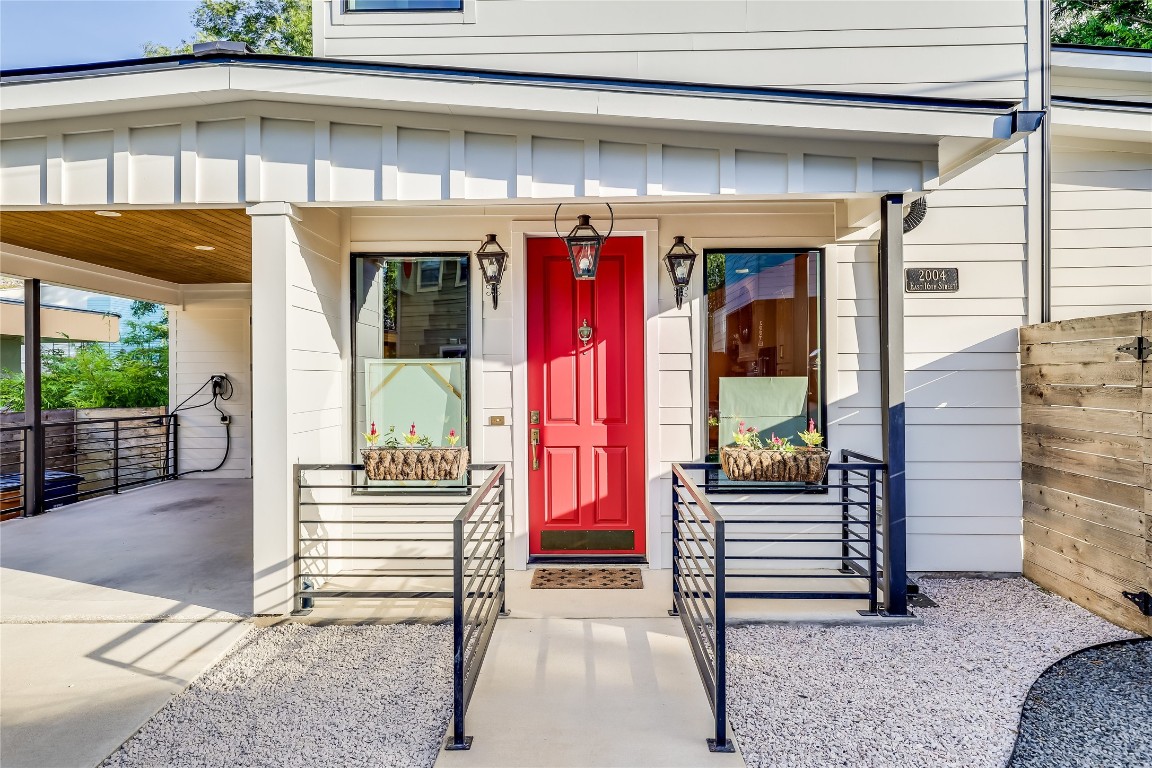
(679, 260)
(584, 244)
(492, 260)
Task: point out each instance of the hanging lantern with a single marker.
(680, 260)
(584, 244)
(492, 259)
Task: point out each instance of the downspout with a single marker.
(1046, 168)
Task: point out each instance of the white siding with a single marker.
(939, 48)
(211, 333)
(1101, 228)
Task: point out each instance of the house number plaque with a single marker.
(932, 280)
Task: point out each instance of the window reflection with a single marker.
(763, 321)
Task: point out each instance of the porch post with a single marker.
(33, 415)
(892, 403)
(273, 543)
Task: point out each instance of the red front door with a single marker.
(586, 474)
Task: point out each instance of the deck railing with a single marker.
(404, 553)
(831, 529)
(83, 458)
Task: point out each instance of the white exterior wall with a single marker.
(211, 332)
(950, 48)
(300, 411)
(963, 384)
(1101, 227)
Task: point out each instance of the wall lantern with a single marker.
(492, 260)
(679, 260)
(584, 244)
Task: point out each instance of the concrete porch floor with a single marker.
(111, 606)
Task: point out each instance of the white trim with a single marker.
(60, 270)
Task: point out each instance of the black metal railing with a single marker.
(478, 592)
(84, 458)
(698, 592)
(13, 445)
(406, 554)
(816, 531)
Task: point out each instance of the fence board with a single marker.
(1086, 446)
(1124, 519)
(1093, 351)
(1121, 398)
(1118, 374)
(1083, 328)
(1085, 419)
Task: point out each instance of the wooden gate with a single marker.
(1087, 451)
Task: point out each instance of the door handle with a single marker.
(535, 441)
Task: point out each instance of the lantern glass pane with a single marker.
(584, 254)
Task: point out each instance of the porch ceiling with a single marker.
(155, 243)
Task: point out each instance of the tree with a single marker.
(269, 26)
(1118, 23)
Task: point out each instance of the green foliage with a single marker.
(1118, 23)
(134, 376)
(269, 26)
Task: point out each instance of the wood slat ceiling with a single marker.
(154, 243)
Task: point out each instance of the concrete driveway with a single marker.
(111, 606)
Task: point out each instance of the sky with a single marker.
(41, 33)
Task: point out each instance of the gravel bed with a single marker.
(1091, 710)
(946, 693)
(343, 696)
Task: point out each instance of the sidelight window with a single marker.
(765, 342)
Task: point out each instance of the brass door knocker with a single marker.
(584, 332)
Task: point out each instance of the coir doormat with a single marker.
(587, 578)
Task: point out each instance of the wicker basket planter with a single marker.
(805, 465)
(414, 463)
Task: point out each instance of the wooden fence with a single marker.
(1087, 450)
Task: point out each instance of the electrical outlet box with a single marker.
(225, 419)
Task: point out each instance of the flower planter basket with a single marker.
(414, 463)
(805, 465)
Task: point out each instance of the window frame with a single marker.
(345, 8)
(821, 340)
(446, 255)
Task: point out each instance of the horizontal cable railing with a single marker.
(401, 542)
(84, 458)
(13, 445)
(698, 593)
(774, 527)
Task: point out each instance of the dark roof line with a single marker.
(498, 76)
(1086, 101)
(1111, 49)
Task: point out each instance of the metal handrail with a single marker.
(704, 623)
(479, 602)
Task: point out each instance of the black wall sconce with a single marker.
(492, 260)
(584, 244)
(680, 260)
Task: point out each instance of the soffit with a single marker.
(154, 243)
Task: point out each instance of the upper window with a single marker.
(404, 5)
(764, 343)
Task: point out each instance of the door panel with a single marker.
(589, 489)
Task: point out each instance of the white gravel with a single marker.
(294, 695)
(942, 694)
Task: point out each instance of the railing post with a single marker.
(176, 445)
(674, 611)
(33, 416)
(503, 560)
(873, 566)
(844, 527)
(459, 740)
(116, 456)
(721, 743)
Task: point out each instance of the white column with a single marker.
(273, 540)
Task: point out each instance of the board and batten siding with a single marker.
(1101, 227)
(1087, 434)
(226, 154)
(210, 333)
(300, 411)
(947, 48)
(961, 358)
